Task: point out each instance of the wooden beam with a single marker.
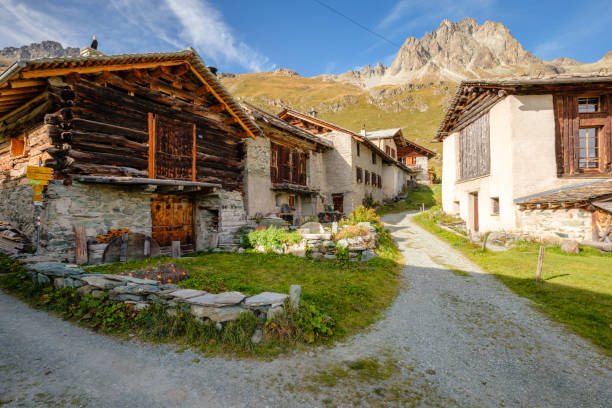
(19, 91)
(217, 108)
(96, 68)
(25, 106)
(152, 146)
(26, 83)
(194, 171)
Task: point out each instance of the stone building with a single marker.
(413, 155)
(151, 143)
(530, 156)
(357, 170)
(284, 170)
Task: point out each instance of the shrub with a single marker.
(363, 214)
(273, 239)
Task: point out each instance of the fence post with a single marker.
(540, 261)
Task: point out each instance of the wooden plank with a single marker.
(43, 73)
(540, 262)
(194, 172)
(151, 167)
(124, 247)
(80, 245)
(558, 112)
(24, 106)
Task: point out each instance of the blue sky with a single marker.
(249, 35)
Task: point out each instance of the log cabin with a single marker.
(150, 143)
(413, 155)
(284, 170)
(357, 169)
(530, 156)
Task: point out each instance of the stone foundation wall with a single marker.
(102, 207)
(574, 224)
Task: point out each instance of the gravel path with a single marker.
(447, 340)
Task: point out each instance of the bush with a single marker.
(363, 214)
(273, 239)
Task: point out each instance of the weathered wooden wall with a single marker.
(474, 149)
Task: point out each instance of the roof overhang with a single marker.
(24, 80)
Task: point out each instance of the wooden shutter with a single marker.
(295, 167)
(567, 142)
(274, 176)
(302, 169)
(284, 164)
(606, 137)
(171, 148)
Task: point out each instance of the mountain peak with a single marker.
(44, 49)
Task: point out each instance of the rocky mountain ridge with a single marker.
(463, 50)
(45, 49)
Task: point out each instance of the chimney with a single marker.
(213, 70)
(363, 131)
(313, 113)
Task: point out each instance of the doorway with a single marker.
(474, 205)
(172, 219)
(338, 200)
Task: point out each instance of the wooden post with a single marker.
(176, 249)
(484, 241)
(80, 245)
(540, 261)
(124, 247)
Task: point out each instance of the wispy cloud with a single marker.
(196, 23)
(21, 24)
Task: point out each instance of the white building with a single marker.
(530, 156)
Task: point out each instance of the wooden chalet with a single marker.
(508, 139)
(152, 133)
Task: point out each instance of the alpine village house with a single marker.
(150, 143)
(531, 157)
(153, 144)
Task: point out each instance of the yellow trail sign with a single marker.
(39, 173)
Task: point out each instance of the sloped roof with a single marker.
(23, 80)
(260, 114)
(332, 127)
(575, 193)
(382, 134)
(475, 97)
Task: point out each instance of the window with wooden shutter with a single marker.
(367, 177)
(583, 140)
(388, 150)
(287, 165)
(359, 174)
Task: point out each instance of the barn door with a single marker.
(171, 148)
(172, 219)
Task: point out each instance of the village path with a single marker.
(447, 340)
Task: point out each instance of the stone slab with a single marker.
(229, 298)
(100, 281)
(265, 298)
(217, 314)
(187, 293)
(56, 269)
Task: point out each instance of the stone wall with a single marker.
(16, 207)
(361, 190)
(422, 175)
(574, 224)
(258, 196)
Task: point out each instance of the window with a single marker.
(393, 153)
(17, 147)
(583, 138)
(359, 175)
(588, 105)
(589, 148)
(367, 177)
(292, 202)
(379, 181)
(388, 150)
(373, 158)
(358, 149)
(494, 205)
(287, 165)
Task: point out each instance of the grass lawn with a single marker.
(429, 195)
(576, 289)
(353, 295)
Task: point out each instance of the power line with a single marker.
(358, 24)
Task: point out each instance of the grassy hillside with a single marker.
(417, 109)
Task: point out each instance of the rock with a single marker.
(55, 269)
(85, 289)
(257, 336)
(169, 286)
(297, 250)
(229, 298)
(98, 293)
(266, 298)
(294, 295)
(217, 314)
(329, 244)
(43, 279)
(329, 256)
(133, 290)
(187, 293)
(58, 283)
(334, 228)
(317, 237)
(171, 312)
(311, 228)
(342, 243)
(140, 306)
(219, 326)
(101, 281)
(367, 255)
(134, 280)
(273, 312)
(316, 255)
(125, 297)
(241, 250)
(570, 247)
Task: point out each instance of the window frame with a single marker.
(495, 206)
(359, 175)
(373, 157)
(366, 177)
(597, 158)
(358, 149)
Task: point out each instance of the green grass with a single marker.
(576, 289)
(423, 194)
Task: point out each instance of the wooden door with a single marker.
(172, 219)
(338, 203)
(475, 209)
